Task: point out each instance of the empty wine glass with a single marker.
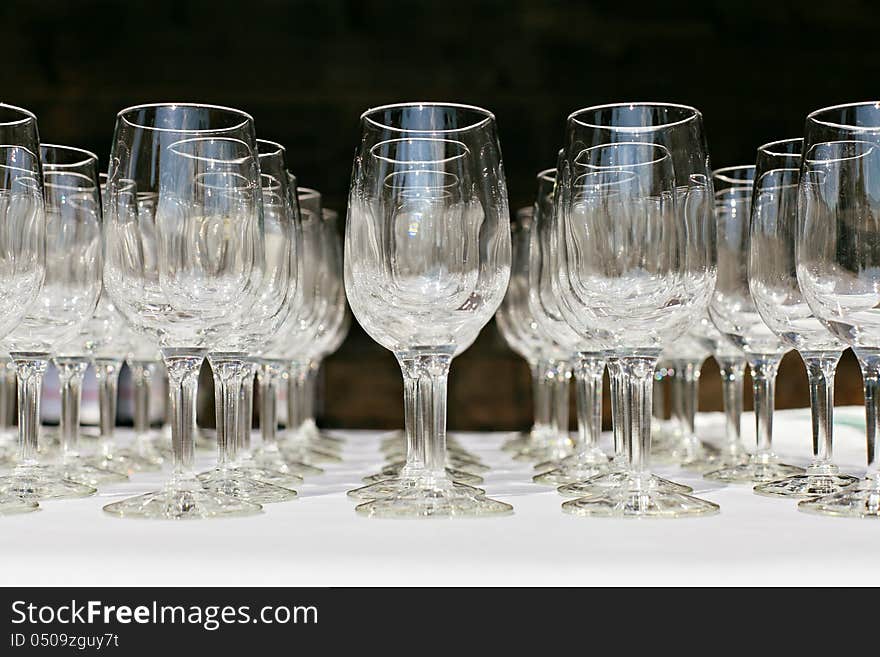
(427, 262)
(734, 313)
(837, 263)
(270, 299)
(637, 267)
(179, 260)
(550, 441)
(778, 299)
(588, 459)
(65, 302)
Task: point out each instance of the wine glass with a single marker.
(179, 261)
(778, 299)
(734, 313)
(637, 267)
(837, 263)
(588, 459)
(269, 300)
(427, 262)
(65, 302)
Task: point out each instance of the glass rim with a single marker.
(28, 115)
(307, 192)
(122, 116)
(813, 161)
(444, 160)
(664, 155)
(488, 117)
(574, 116)
(175, 148)
(89, 156)
(721, 174)
(769, 147)
(277, 148)
(548, 175)
(812, 116)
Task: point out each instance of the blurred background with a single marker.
(307, 69)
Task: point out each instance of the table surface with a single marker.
(318, 540)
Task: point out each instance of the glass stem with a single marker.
(541, 395)
(227, 372)
(869, 360)
(296, 393)
(310, 387)
(107, 374)
(183, 367)
(764, 369)
(142, 378)
(637, 375)
(732, 371)
(70, 375)
(245, 410)
(588, 371)
(431, 372)
(413, 427)
(268, 375)
(690, 382)
(820, 372)
(560, 398)
(659, 408)
(30, 369)
(617, 416)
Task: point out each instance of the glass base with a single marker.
(231, 482)
(806, 485)
(11, 505)
(182, 500)
(594, 456)
(553, 450)
(458, 476)
(261, 472)
(397, 485)
(759, 469)
(570, 473)
(39, 482)
(437, 499)
(640, 502)
(83, 473)
(121, 460)
(306, 454)
(274, 460)
(600, 484)
(859, 501)
(516, 443)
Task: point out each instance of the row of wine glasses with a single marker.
(194, 245)
(617, 262)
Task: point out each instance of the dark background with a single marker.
(307, 69)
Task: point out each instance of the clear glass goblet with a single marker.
(427, 261)
(734, 313)
(180, 257)
(775, 290)
(633, 211)
(837, 264)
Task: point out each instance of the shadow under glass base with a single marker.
(640, 502)
(599, 484)
(231, 482)
(434, 499)
(40, 482)
(396, 485)
(861, 500)
(759, 469)
(182, 500)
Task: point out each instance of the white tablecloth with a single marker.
(318, 540)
